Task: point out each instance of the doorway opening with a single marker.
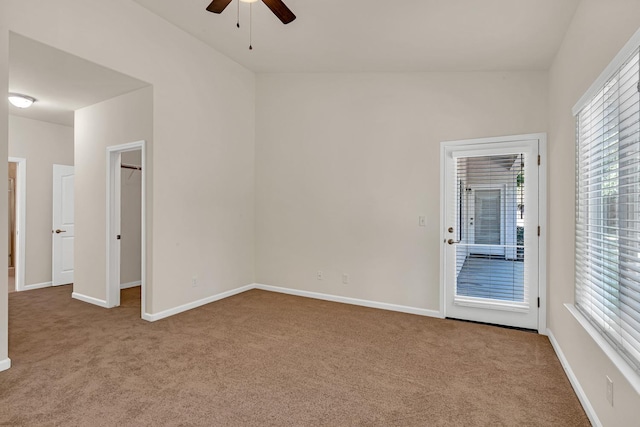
(126, 224)
(17, 216)
(492, 199)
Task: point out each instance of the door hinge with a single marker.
(538, 302)
(539, 160)
(538, 231)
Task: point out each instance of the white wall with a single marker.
(203, 129)
(345, 164)
(43, 145)
(126, 118)
(130, 210)
(598, 31)
(4, 135)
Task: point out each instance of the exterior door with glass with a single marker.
(491, 232)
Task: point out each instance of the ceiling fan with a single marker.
(277, 7)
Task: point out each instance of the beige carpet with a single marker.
(263, 359)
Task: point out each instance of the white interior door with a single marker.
(63, 224)
(114, 226)
(491, 248)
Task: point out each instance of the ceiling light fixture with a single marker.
(21, 101)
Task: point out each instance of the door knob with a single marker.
(58, 231)
(452, 242)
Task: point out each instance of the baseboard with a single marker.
(37, 286)
(199, 303)
(315, 295)
(5, 364)
(130, 284)
(582, 396)
(90, 300)
(352, 301)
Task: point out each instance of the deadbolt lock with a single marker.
(450, 230)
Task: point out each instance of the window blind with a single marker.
(491, 259)
(608, 210)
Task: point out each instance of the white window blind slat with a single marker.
(608, 209)
(491, 217)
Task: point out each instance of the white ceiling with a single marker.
(61, 82)
(382, 35)
(327, 36)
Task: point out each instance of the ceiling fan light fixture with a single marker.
(278, 8)
(21, 101)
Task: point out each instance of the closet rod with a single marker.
(124, 166)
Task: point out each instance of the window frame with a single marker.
(628, 368)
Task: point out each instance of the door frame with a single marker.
(21, 221)
(113, 223)
(542, 215)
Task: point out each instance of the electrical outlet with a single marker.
(610, 391)
(345, 278)
(422, 221)
(194, 281)
(319, 275)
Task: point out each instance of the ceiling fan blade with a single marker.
(280, 10)
(217, 6)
